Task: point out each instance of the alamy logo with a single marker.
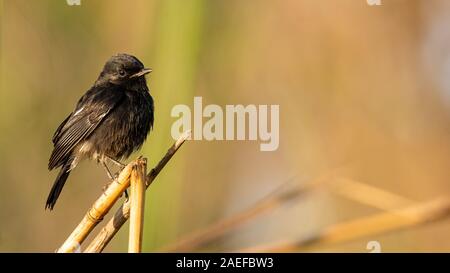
(73, 2)
(374, 2)
(374, 246)
(230, 123)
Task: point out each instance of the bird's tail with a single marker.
(59, 184)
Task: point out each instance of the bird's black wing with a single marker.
(90, 111)
(57, 133)
(64, 125)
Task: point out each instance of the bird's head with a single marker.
(122, 69)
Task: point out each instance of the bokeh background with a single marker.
(363, 89)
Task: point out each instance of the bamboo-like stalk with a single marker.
(100, 208)
(123, 213)
(369, 195)
(137, 190)
(410, 216)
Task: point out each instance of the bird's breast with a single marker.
(124, 129)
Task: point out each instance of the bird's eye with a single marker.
(122, 72)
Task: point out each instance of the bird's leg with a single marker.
(108, 172)
(121, 166)
(117, 163)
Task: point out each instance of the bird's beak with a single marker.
(141, 73)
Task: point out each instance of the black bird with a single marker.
(110, 121)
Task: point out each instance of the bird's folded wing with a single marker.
(57, 133)
(80, 124)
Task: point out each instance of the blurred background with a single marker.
(364, 94)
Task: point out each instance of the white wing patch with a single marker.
(78, 111)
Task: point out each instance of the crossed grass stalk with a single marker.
(133, 174)
(397, 213)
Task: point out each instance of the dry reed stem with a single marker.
(369, 195)
(410, 216)
(203, 236)
(137, 201)
(123, 213)
(96, 213)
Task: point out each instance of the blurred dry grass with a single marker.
(360, 86)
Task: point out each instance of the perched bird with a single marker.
(110, 121)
